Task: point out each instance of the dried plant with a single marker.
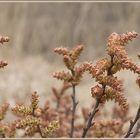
(31, 119)
(60, 118)
(70, 58)
(3, 39)
(58, 94)
(110, 87)
(6, 129)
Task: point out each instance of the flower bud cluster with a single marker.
(50, 129)
(30, 130)
(22, 110)
(107, 128)
(116, 47)
(3, 110)
(104, 69)
(28, 121)
(8, 129)
(111, 94)
(121, 40)
(96, 91)
(66, 76)
(61, 51)
(34, 100)
(32, 118)
(110, 81)
(70, 58)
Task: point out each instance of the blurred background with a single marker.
(35, 29)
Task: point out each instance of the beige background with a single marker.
(36, 28)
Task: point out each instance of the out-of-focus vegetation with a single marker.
(61, 115)
(36, 28)
(39, 27)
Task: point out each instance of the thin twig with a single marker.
(112, 64)
(73, 108)
(91, 116)
(132, 123)
(3, 135)
(39, 129)
(136, 130)
(58, 103)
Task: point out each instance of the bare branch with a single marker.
(132, 123)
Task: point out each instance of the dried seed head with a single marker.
(34, 100)
(75, 53)
(68, 62)
(107, 128)
(116, 39)
(110, 81)
(116, 48)
(28, 121)
(30, 130)
(62, 76)
(50, 128)
(61, 50)
(112, 94)
(101, 66)
(22, 110)
(38, 112)
(88, 66)
(96, 91)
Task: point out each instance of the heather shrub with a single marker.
(60, 117)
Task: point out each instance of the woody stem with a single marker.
(73, 108)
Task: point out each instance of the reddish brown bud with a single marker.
(61, 50)
(96, 91)
(4, 39)
(3, 64)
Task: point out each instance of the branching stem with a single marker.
(136, 130)
(73, 108)
(58, 103)
(95, 109)
(132, 123)
(91, 116)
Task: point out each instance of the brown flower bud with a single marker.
(75, 53)
(3, 64)
(38, 112)
(4, 39)
(68, 62)
(62, 76)
(112, 94)
(61, 50)
(101, 66)
(96, 91)
(34, 100)
(22, 110)
(110, 81)
(116, 39)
